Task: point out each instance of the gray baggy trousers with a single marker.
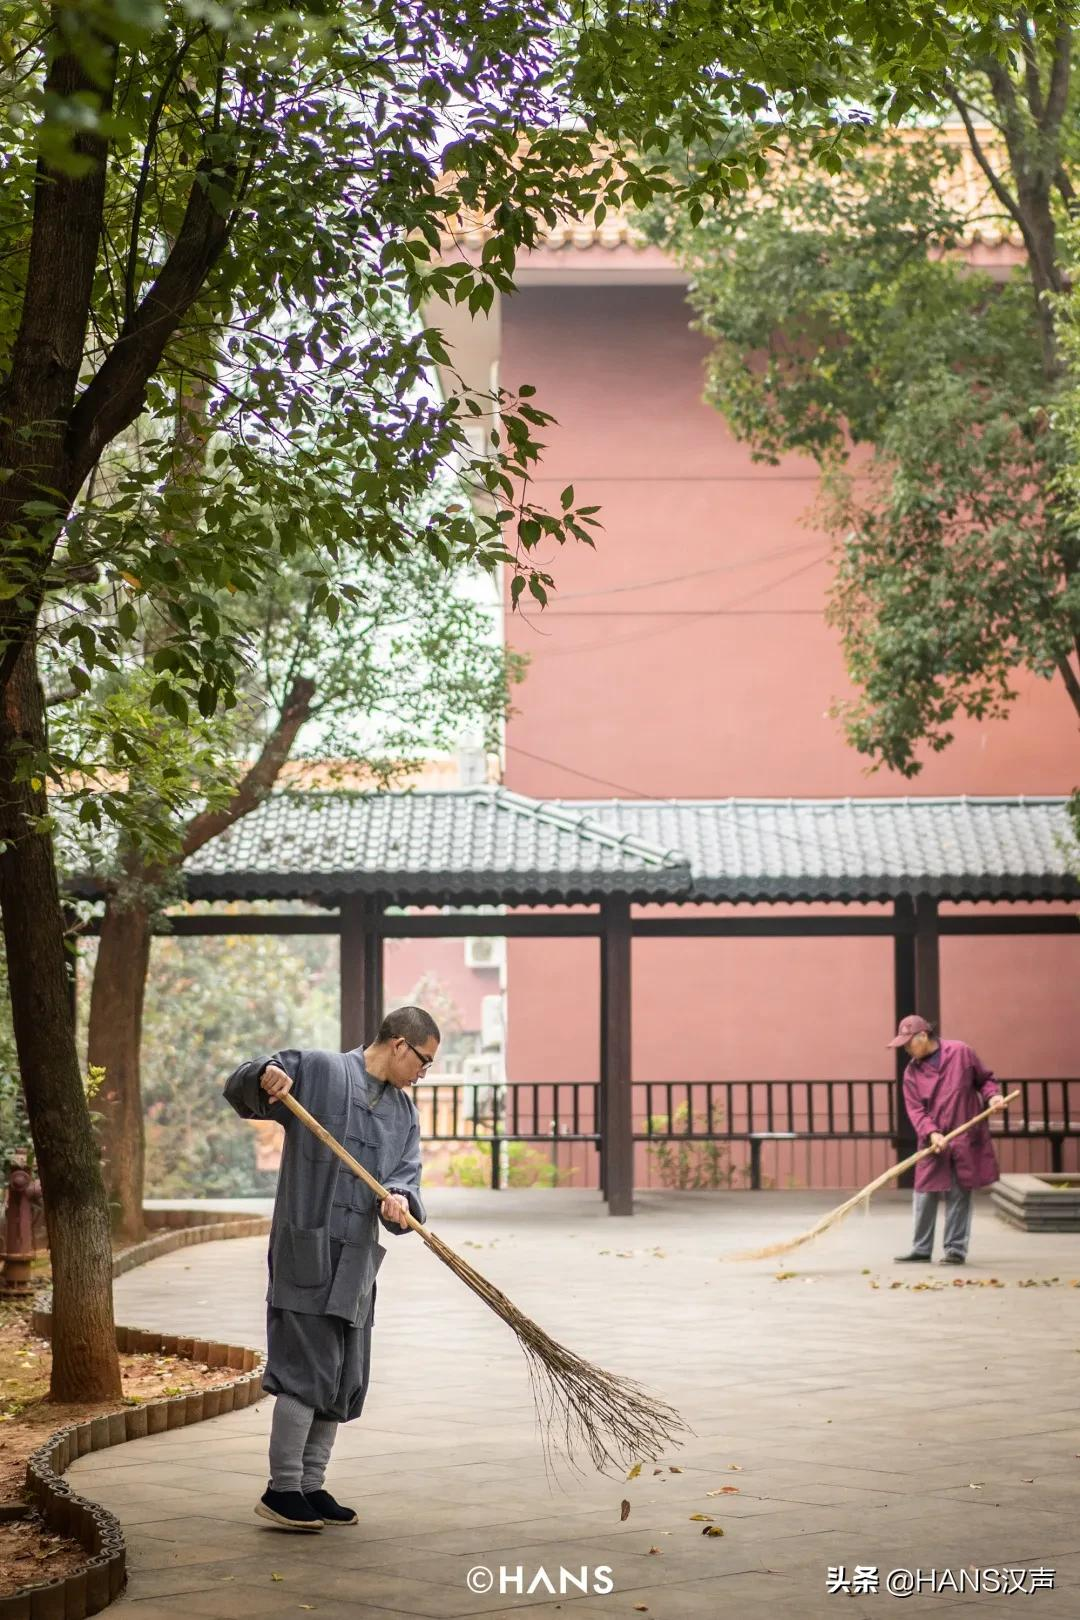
(957, 1220)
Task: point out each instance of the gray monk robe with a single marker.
(324, 1250)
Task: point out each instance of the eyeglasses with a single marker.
(425, 1062)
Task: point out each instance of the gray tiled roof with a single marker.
(472, 846)
(488, 846)
(860, 849)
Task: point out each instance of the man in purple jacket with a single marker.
(944, 1085)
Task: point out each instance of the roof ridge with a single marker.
(556, 814)
(811, 801)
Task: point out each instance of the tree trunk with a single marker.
(85, 1365)
(115, 1037)
(123, 964)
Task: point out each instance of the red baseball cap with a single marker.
(909, 1026)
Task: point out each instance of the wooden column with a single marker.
(616, 1095)
(904, 992)
(361, 971)
(927, 960)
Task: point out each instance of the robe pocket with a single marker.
(303, 1257)
(310, 1145)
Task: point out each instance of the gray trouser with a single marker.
(957, 1219)
(300, 1446)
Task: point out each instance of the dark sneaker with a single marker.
(290, 1510)
(952, 1260)
(901, 1259)
(329, 1511)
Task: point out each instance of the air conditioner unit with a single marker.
(484, 951)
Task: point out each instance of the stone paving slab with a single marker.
(936, 1428)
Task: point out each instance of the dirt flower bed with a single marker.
(31, 1555)
(29, 1552)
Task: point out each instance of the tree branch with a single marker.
(1058, 94)
(997, 185)
(1072, 684)
(116, 394)
(261, 777)
(139, 191)
(1031, 66)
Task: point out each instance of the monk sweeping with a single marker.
(945, 1084)
(324, 1250)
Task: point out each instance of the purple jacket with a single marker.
(939, 1099)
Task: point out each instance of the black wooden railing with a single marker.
(753, 1112)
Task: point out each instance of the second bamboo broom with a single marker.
(835, 1216)
(576, 1403)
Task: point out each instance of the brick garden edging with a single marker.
(101, 1578)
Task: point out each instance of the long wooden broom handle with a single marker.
(923, 1153)
(346, 1158)
(968, 1123)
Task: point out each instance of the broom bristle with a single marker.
(833, 1218)
(577, 1404)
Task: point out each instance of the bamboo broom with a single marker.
(835, 1216)
(617, 1420)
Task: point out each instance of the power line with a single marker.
(696, 573)
(586, 776)
(809, 852)
(678, 623)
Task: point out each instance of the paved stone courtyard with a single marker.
(904, 1428)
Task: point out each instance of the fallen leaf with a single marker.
(624, 1511)
(657, 1471)
(782, 1276)
(672, 1470)
(974, 1487)
(655, 1552)
(702, 1518)
(712, 1530)
(274, 1577)
(634, 1472)
(735, 1468)
(725, 1490)
(1027, 1482)
(641, 1608)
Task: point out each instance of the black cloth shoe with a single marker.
(900, 1259)
(289, 1510)
(329, 1511)
(952, 1260)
